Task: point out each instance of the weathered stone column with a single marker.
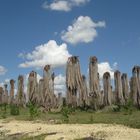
(54, 98)
(118, 88)
(32, 90)
(113, 96)
(1, 95)
(135, 85)
(52, 78)
(133, 91)
(74, 82)
(54, 101)
(21, 99)
(12, 90)
(125, 87)
(107, 89)
(48, 88)
(60, 100)
(94, 83)
(136, 75)
(71, 83)
(41, 90)
(5, 95)
(85, 98)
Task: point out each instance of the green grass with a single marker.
(39, 137)
(131, 120)
(107, 116)
(3, 136)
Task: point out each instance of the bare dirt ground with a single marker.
(70, 131)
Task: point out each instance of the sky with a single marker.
(34, 33)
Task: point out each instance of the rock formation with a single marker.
(94, 86)
(21, 99)
(74, 82)
(85, 96)
(125, 87)
(78, 94)
(1, 95)
(32, 90)
(135, 85)
(48, 88)
(41, 90)
(107, 89)
(118, 88)
(5, 95)
(59, 100)
(12, 90)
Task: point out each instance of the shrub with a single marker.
(14, 109)
(33, 110)
(66, 111)
(116, 108)
(4, 110)
(128, 107)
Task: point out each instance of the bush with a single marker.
(84, 107)
(66, 111)
(128, 107)
(14, 109)
(4, 110)
(116, 108)
(33, 110)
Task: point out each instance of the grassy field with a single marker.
(128, 116)
(107, 115)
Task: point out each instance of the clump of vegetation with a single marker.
(38, 137)
(128, 107)
(3, 110)
(116, 108)
(14, 109)
(33, 110)
(84, 107)
(66, 111)
(126, 115)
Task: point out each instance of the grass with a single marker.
(3, 136)
(107, 116)
(39, 137)
(125, 116)
(131, 120)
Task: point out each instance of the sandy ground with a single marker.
(70, 131)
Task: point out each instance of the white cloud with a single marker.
(106, 67)
(15, 91)
(64, 5)
(59, 84)
(2, 84)
(83, 30)
(79, 2)
(58, 6)
(115, 66)
(3, 70)
(59, 80)
(7, 81)
(49, 53)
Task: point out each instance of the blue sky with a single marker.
(26, 24)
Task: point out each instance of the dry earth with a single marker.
(70, 131)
